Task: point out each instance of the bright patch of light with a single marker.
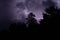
(58, 3)
(26, 12)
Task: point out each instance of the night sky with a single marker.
(17, 10)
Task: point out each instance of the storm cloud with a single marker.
(35, 6)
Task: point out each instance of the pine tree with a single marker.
(50, 18)
(32, 22)
(31, 19)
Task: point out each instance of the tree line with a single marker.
(49, 23)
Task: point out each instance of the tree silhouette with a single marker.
(32, 22)
(51, 18)
(17, 27)
(31, 19)
(21, 27)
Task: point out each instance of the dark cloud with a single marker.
(35, 6)
(20, 12)
(20, 5)
(38, 4)
(48, 3)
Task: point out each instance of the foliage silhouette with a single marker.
(17, 27)
(32, 23)
(51, 19)
(21, 27)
